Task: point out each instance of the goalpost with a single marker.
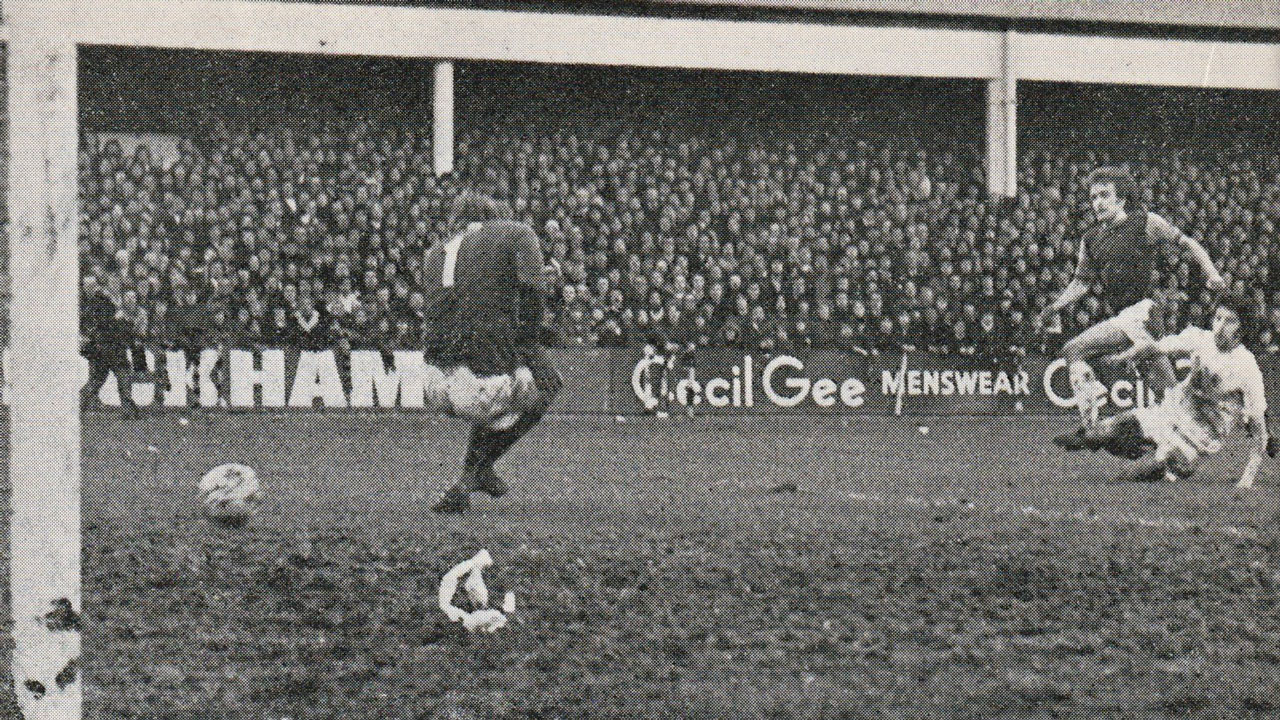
(44, 414)
(41, 44)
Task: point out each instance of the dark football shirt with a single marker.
(1123, 258)
(474, 283)
(99, 321)
(484, 267)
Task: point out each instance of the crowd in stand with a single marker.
(312, 235)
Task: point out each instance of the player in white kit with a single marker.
(1223, 390)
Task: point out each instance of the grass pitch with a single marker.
(713, 568)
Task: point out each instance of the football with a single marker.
(230, 494)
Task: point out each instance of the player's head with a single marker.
(503, 210)
(1112, 192)
(1233, 322)
(469, 207)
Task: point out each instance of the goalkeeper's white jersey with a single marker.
(1220, 389)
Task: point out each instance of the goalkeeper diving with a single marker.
(1223, 390)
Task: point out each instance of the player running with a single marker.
(1121, 253)
(485, 303)
(1224, 387)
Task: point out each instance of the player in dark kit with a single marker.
(1121, 254)
(106, 340)
(484, 310)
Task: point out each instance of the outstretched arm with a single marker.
(1213, 279)
(1076, 289)
(1179, 345)
(1259, 449)
(1255, 409)
(1162, 229)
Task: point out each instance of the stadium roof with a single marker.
(1259, 14)
(1191, 14)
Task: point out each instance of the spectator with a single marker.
(279, 330)
(108, 335)
(961, 342)
(885, 340)
(990, 340)
(312, 333)
(336, 213)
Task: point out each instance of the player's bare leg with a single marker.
(1102, 339)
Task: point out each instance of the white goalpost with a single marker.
(44, 415)
(41, 38)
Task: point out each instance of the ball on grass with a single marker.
(230, 494)
(924, 429)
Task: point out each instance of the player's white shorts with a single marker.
(495, 400)
(1132, 321)
(1173, 430)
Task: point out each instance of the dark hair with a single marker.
(1245, 311)
(502, 210)
(1126, 188)
(469, 207)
